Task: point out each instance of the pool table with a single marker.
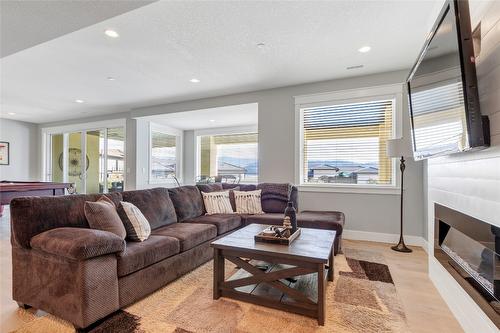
(13, 189)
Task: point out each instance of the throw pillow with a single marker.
(217, 203)
(248, 202)
(137, 226)
(102, 215)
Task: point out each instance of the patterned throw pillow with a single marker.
(102, 215)
(217, 203)
(248, 202)
(137, 226)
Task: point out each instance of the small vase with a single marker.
(292, 214)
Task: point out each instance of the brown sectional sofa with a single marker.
(82, 275)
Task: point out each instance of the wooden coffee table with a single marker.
(286, 277)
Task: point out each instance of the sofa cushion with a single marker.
(223, 222)
(329, 220)
(268, 218)
(142, 254)
(275, 196)
(212, 187)
(30, 216)
(136, 224)
(77, 243)
(155, 205)
(188, 234)
(187, 201)
(243, 187)
(217, 203)
(102, 215)
(248, 202)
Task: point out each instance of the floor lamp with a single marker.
(400, 148)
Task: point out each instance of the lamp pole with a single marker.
(401, 246)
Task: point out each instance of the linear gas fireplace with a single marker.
(469, 249)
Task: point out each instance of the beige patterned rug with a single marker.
(362, 298)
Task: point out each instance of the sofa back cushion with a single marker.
(243, 187)
(188, 202)
(30, 216)
(155, 204)
(212, 187)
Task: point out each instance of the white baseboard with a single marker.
(384, 238)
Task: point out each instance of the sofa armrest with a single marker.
(77, 243)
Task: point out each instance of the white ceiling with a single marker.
(25, 24)
(164, 44)
(226, 116)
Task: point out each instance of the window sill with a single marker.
(386, 190)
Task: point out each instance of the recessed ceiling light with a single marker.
(194, 80)
(261, 45)
(212, 120)
(355, 67)
(364, 49)
(79, 101)
(110, 78)
(111, 33)
(11, 113)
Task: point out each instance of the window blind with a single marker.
(347, 143)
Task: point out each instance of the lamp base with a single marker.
(401, 247)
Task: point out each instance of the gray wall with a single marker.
(365, 212)
(24, 159)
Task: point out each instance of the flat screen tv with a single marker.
(442, 89)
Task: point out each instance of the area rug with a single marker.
(362, 298)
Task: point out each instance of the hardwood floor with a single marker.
(425, 309)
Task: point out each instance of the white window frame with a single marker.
(221, 131)
(178, 153)
(392, 92)
(46, 145)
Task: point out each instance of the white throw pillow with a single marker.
(136, 224)
(248, 202)
(217, 203)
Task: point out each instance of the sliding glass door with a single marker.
(93, 160)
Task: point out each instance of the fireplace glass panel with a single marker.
(475, 258)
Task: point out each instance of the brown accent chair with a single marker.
(82, 275)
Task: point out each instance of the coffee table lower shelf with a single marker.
(271, 287)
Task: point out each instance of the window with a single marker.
(164, 156)
(346, 143)
(229, 158)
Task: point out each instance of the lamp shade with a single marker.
(399, 147)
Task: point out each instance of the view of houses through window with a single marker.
(230, 158)
(346, 144)
(163, 156)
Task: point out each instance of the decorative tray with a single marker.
(261, 237)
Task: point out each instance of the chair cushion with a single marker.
(188, 234)
(142, 254)
(102, 215)
(187, 201)
(223, 222)
(155, 204)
